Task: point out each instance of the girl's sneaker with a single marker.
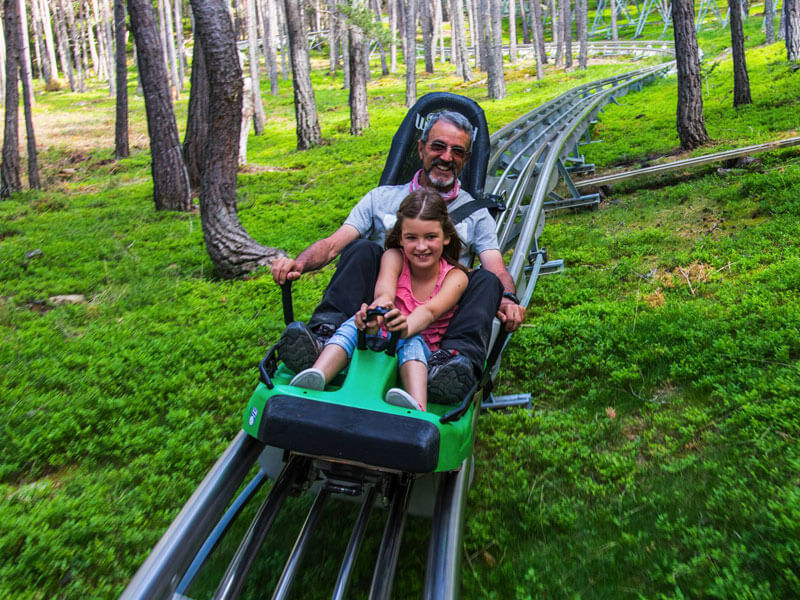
(310, 379)
(401, 398)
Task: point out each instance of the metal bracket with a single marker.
(507, 401)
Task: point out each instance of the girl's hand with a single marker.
(396, 322)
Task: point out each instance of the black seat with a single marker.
(403, 160)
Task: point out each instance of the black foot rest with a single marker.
(336, 431)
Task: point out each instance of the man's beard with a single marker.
(441, 184)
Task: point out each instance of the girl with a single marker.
(419, 282)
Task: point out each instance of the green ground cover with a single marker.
(661, 457)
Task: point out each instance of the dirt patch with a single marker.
(691, 275)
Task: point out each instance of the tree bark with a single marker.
(769, 21)
(536, 33)
(458, 50)
(170, 181)
(27, 100)
(359, 115)
(582, 24)
(411, 52)
(512, 31)
(259, 117)
(47, 29)
(558, 38)
(791, 9)
(121, 148)
(38, 32)
(741, 81)
(427, 33)
(690, 121)
(526, 34)
(496, 83)
(566, 28)
(76, 56)
(269, 16)
(393, 29)
(614, 31)
(231, 249)
(63, 45)
(194, 142)
(484, 18)
(381, 49)
(10, 182)
(537, 26)
(305, 107)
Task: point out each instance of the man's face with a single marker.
(444, 156)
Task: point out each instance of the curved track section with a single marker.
(528, 158)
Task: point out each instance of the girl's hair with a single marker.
(427, 205)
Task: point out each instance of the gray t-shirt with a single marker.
(376, 213)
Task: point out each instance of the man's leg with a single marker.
(352, 284)
(462, 352)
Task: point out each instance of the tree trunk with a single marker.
(741, 81)
(496, 81)
(359, 115)
(38, 32)
(690, 122)
(27, 99)
(485, 32)
(537, 26)
(73, 32)
(259, 118)
(536, 33)
(63, 45)
(169, 37)
(566, 28)
(181, 46)
(438, 30)
(459, 51)
(769, 21)
(582, 25)
(512, 31)
(269, 17)
(523, 17)
(427, 33)
(197, 121)
(381, 49)
(47, 29)
(107, 19)
(170, 181)
(791, 8)
(10, 182)
(231, 249)
(305, 107)
(474, 35)
(614, 31)
(121, 148)
(393, 29)
(411, 52)
(558, 38)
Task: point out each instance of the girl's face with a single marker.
(422, 241)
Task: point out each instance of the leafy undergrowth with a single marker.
(660, 459)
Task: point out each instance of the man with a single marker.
(444, 150)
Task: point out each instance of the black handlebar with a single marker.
(378, 311)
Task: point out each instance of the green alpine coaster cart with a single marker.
(343, 443)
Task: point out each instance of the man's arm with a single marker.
(316, 256)
(510, 313)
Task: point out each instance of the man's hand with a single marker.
(285, 269)
(510, 314)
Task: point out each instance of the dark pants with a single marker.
(353, 283)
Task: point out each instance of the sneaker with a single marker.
(450, 377)
(298, 346)
(401, 398)
(310, 379)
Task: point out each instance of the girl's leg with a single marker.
(414, 377)
(331, 360)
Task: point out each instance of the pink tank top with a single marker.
(406, 302)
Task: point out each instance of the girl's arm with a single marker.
(453, 286)
(385, 286)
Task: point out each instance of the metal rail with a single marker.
(686, 163)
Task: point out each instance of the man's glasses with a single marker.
(458, 152)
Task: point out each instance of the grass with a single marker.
(660, 460)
